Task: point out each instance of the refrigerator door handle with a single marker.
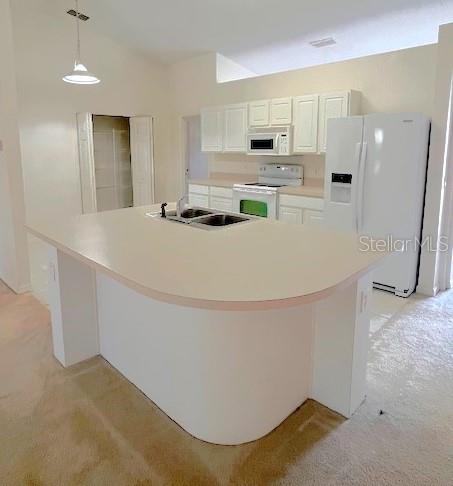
(361, 181)
(356, 171)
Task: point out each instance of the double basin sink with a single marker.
(205, 219)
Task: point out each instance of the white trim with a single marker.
(428, 291)
(152, 167)
(86, 162)
(137, 164)
(183, 156)
(24, 288)
(86, 158)
(20, 289)
(445, 258)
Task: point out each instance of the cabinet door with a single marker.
(313, 218)
(142, 159)
(259, 113)
(200, 200)
(290, 214)
(281, 111)
(219, 203)
(212, 130)
(235, 128)
(334, 105)
(306, 124)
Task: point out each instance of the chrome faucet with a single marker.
(180, 205)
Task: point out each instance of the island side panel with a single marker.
(72, 301)
(340, 351)
(226, 377)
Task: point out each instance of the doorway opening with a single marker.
(116, 156)
(196, 161)
(112, 162)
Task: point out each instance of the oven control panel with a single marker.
(282, 170)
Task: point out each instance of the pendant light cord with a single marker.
(78, 32)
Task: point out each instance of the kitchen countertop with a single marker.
(311, 187)
(258, 265)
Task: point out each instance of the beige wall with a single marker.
(435, 266)
(13, 242)
(398, 81)
(131, 85)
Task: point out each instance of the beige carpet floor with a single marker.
(88, 426)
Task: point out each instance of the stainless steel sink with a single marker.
(188, 214)
(221, 220)
(194, 213)
(204, 219)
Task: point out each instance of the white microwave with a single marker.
(270, 143)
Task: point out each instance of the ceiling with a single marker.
(265, 35)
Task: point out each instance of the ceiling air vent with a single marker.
(81, 15)
(328, 41)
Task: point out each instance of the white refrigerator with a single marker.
(375, 185)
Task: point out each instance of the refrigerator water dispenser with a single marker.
(340, 189)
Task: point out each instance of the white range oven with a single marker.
(255, 200)
(261, 198)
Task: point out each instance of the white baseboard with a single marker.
(21, 289)
(430, 292)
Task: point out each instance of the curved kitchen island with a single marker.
(228, 331)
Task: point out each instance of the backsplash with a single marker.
(249, 164)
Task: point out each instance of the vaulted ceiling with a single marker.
(265, 35)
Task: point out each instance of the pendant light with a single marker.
(80, 74)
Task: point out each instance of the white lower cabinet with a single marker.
(291, 215)
(221, 199)
(199, 195)
(211, 197)
(199, 200)
(301, 210)
(292, 209)
(313, 218)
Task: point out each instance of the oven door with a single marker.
(262, 143)
(255, 202)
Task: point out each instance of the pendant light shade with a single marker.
(80, 74)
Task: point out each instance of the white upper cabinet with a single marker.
(235, 128)
(259, 113)
(212, 130)
(281, 111)
(335, 105)
(224, 129)
(306, 124)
